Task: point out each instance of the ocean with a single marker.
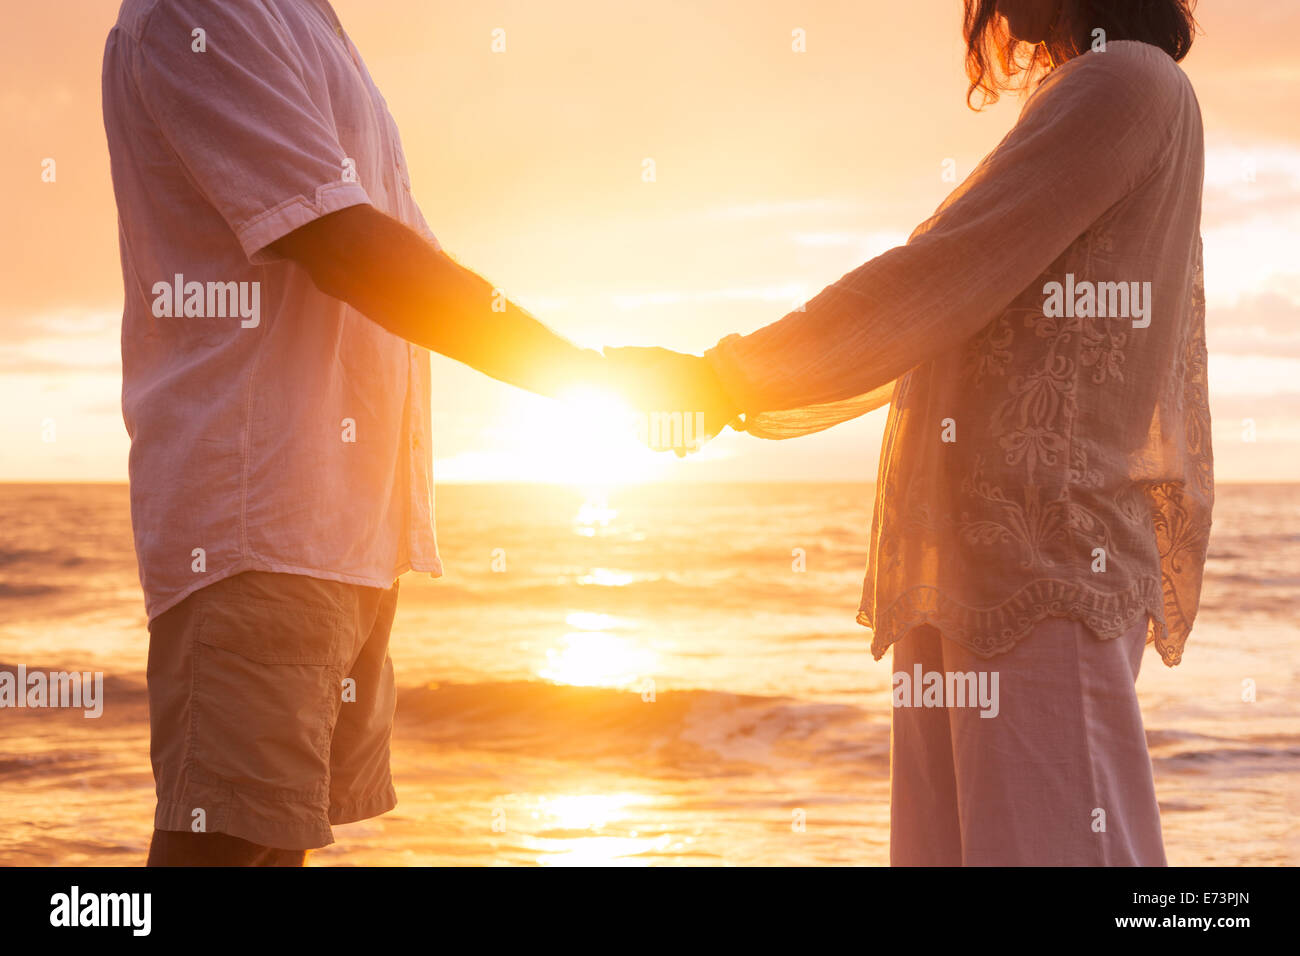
(635, 675)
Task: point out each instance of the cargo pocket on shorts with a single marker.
(266, 696)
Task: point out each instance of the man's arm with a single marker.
(397, 279)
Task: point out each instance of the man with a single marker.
(281, 290)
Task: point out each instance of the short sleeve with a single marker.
(241, 118)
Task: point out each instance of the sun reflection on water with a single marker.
(606, 851)
(598, 659)
(590, 621)
(585, 811)
(607, 578)
(595, 655)
(594, 515)
(571, 825)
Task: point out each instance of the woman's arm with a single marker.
(1085, 139)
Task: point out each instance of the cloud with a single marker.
(1246, 183)
(1264, 325)
(71, 324)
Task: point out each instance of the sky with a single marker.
(775, 172)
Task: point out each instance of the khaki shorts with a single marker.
(252, 718)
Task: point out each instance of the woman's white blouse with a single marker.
(1041, 341)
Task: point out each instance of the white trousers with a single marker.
(1060, 776)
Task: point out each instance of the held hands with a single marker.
(681, 401)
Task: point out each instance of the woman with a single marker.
(1043, 502)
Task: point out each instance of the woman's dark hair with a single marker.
(994, 58)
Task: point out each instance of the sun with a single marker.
(587, 437)
(593, 433)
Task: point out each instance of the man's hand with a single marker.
(662, 384)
